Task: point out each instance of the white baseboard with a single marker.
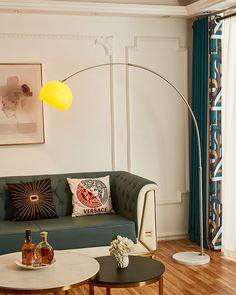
(172, 236)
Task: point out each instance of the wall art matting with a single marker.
(21, 110)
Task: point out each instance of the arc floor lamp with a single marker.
(59, 95)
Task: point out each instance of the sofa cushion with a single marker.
(67, 232)
(32, 200)
(90, 196)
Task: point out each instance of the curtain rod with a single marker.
(226, 16)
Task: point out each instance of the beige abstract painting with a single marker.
(21, 111)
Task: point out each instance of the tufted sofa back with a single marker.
(61, 192)
(125, 188)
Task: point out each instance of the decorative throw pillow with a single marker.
(90, 196)
(32, 200)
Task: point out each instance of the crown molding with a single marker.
(113, 9)
(91, 8)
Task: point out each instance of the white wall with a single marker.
(122, 119)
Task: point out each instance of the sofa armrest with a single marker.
(134, 197)
(146, 210)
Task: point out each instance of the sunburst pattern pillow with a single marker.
(32, 200)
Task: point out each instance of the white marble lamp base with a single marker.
(191, 258)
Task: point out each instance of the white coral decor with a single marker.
(120, 247)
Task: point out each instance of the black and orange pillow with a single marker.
(32, 200)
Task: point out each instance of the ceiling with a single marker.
(147, 8)
(145, 2)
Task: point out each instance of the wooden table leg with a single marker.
(91, 289)
(66, 292)
(161, 286)
(108, 292)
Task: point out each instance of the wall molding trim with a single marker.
(106, 43)
(175, 40)
(136, 39)
(51, 36)
(180, 196)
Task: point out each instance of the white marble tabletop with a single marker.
(69, 270)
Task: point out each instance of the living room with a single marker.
(121, 118)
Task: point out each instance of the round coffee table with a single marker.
(70, 270)
(141, 271)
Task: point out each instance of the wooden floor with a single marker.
(217, 277)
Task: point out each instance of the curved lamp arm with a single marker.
(62, 99)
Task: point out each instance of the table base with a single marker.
(109, 286)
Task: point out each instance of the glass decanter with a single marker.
(44, 249)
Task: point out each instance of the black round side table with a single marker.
(141, 271)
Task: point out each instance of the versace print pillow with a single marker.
(32, 200)
(90, 196)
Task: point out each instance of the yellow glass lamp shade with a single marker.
(57, 94)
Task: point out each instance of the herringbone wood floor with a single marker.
(216, 278)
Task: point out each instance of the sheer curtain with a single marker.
(229, 137)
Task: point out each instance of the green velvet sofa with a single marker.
(133, 200)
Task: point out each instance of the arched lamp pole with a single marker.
(59, 95)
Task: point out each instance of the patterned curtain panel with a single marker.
(215, 157)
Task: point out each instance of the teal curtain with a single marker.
(199, 103)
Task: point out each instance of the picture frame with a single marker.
(21, 110)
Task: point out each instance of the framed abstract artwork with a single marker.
(21, 110)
